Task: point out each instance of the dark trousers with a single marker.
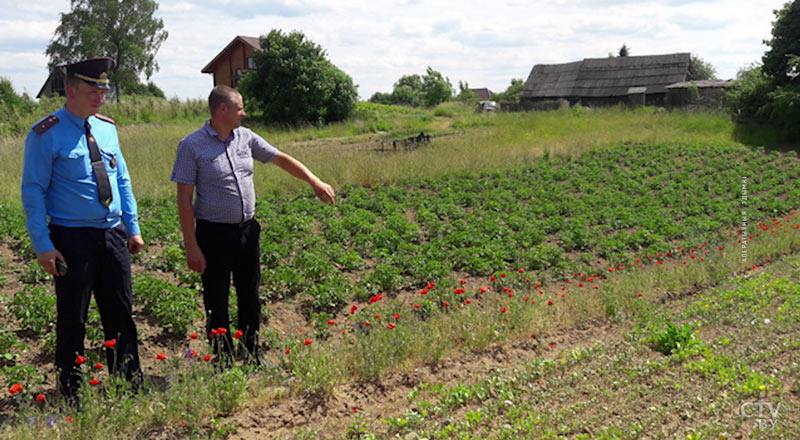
(231, 249)
(98, 262)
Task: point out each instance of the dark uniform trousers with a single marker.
(99, 262)
(231, 249)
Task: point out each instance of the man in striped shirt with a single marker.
(214, 166)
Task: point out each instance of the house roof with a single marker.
(253, 42)
(482, 93)
(605, 77)
(703, 84)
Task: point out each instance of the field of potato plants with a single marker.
(568, 296)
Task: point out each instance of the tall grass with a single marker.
(349, 152)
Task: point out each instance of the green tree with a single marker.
(293, 82)
(769, 95)
(149, 89)
(125, 30)
(381, 98)
(784, 44)
(700, 69)
(464, 93)
(408, 91)
(624, 50)
(436, 88)
(512, 92)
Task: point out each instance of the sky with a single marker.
(485, 44)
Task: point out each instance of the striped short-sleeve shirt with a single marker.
(221, 171)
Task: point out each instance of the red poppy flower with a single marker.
(307, 342)
(595, 287)
(502, 275)
(68, 419)
(222, 331)
(344, 331)
(161, 356)
(288, 351)
(445, 304)
(719, 248)
(462, 282)
(16, 388)
(580, 284)
(521, 270)
(366, 323)
(40, 398)
(416, 306)
(193, 336)
(94, 382)
(549, 302)
(468, 301)
(212, 333)
(552, 345)
(356, 409)
(483, 290)
(492, 278)
(206, 358)
(423, 292)
(300, 329)
(80, 359)
(527, 280)
(110, 344)
(459, 291)
(98, 366)
(238, 334)
(639, 294)
(396, 316)
(503, 310)
(353, 309)
(390, 326)
(527, 298)
(331, 322)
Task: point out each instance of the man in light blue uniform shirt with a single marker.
(75, 176)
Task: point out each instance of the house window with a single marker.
(250, 63)
(237, 77)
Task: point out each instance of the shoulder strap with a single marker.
(104, 118)
(45, 124)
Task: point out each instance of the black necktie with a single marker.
(99, 168)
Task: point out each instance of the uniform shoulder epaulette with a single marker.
(104, 118)
(45, 124)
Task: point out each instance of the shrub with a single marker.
(35, 307)
(175, 308)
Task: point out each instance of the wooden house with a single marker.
(606, 81)
(229, 66)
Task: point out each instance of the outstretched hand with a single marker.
(325, 192)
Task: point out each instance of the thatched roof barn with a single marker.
(607, 81)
